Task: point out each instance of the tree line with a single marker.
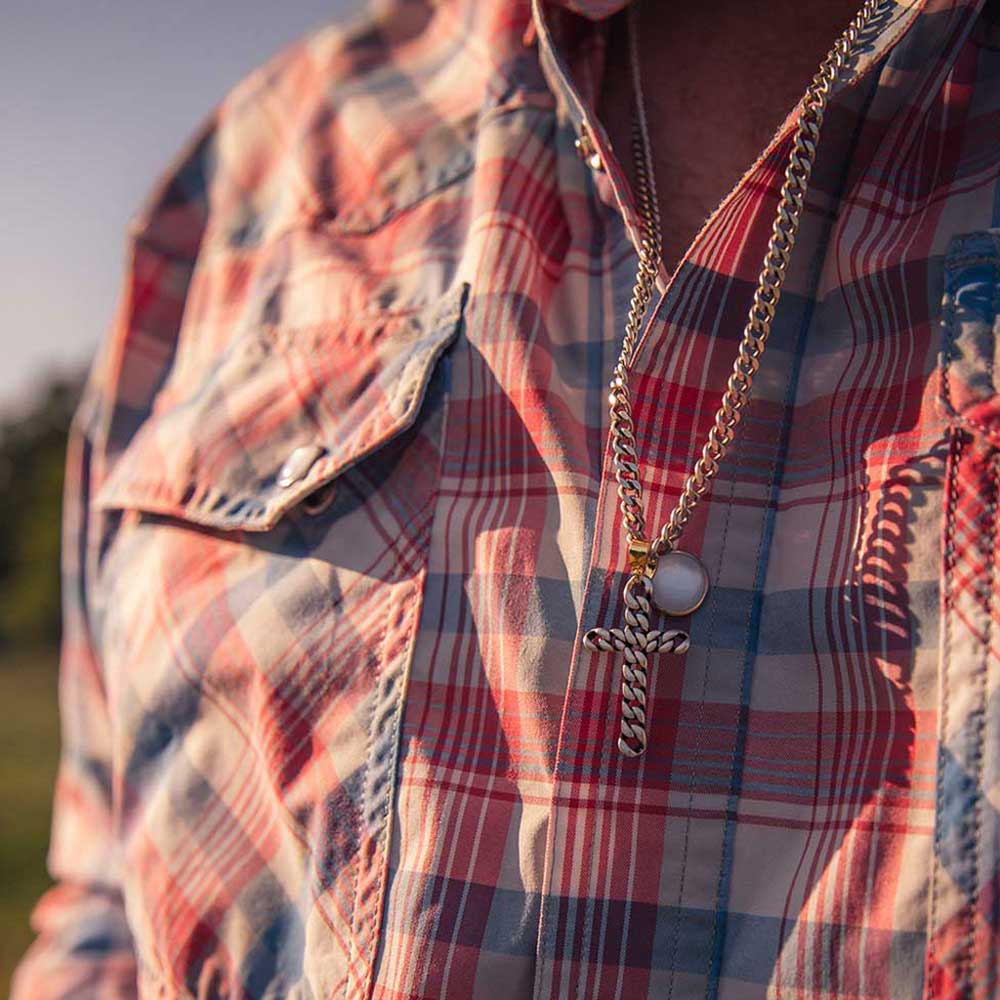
(32, 463)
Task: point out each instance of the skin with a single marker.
(720, 77)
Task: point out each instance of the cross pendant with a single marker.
(635, 641)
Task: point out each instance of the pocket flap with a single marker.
(969, 333)
(214, 455)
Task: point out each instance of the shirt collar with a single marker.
(571, 52)
(557, 38)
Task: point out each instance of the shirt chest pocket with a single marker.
(961, 939)
(260, 589)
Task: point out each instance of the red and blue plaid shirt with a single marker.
(340, 508)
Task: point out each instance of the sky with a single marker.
(98, 97)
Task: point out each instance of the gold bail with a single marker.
(638, 557)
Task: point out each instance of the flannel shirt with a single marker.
(340, 507)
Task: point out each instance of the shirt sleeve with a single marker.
(84, 946)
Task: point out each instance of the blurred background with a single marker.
(97, 99)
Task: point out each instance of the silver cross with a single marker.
(636, 641)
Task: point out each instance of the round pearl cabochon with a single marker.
(680, 583)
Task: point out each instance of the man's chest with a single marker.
(377, 721)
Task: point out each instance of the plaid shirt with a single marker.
(340, 508)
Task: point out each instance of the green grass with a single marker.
(29, 747)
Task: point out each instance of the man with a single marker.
(353, 704)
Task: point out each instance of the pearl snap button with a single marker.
(320, 499)
(587, 149)
(299, 463)
(680, 583)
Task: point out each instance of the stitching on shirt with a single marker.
(414, 599)
(381, 659)
(972, 834)
(390, 798)
(359, 826)
(380, 643)
(958, 440)
(976, 763)
(390, 792)
(984, 692)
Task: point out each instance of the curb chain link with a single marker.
(765, 301)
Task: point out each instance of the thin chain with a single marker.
(650, 251)
(765, 301)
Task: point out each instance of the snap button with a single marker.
(587, 150)
(320, 498)
(299, 463)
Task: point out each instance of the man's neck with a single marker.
(719, 77)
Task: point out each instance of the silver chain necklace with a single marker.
(660, 573)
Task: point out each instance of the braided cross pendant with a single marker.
(636, 641)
